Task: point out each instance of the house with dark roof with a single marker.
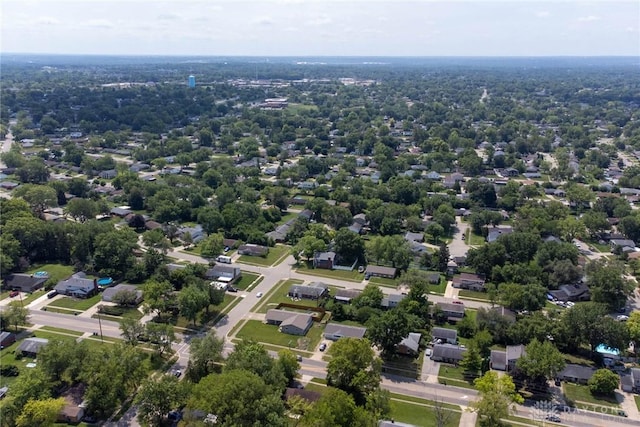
(575, 292)
(505, 360)
(622, 243)
(109, 293)
(6, 339)
(447, 353)
(391, 300)
(77, 286)
(496, 232)
(454, 312)
(313, 291)
(631, 381)
(74, 404)
(410, 345)
(378, 271)
(414, 237)
(24, 282)
(346, 295)
(30, 347)
(289, 322)
(469, 281)
(253, 250)
(335, 331)
(324, 260)
(120, 212)
(573, 373)
(356, 227)
(445, 335)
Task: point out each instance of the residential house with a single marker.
(109, 293)
(505, 360)
(253, 250)
(121, 211)
(197, 233)
(290, 323)
(391, 301)
(6, 339)
(335, 331)
(30, 347)
(74, 405)
(324, 260)
(223, 273)
(346, 295)
(356, 227)
(454, 312)
(496, 232)
(410, 345)
(308, 395)
(414, 237)
(433, 278)
(314, 291)
(452, 268)
(573, 373)
(469, 281)
(360, 219)
(108, 174)
(24, 282)
(378, 271)
(444, 335)
(631, 381)
(230, 243)
(447, 353)
(77, 286)
(622, 243)
(575, 292)
(505, 313)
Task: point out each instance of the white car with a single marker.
(622, 318)
(259, 294)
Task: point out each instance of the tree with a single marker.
(472, 361)
(113, 253)
(596, 223)
(354, 367)
(156, 397)
(497, 396)
(82, 209)
(443, 257)
(337, 216)
(212, 246)
(39, 197)
(541, 362)
(253, 357)
(204, 356)
(16, 315)
(288, 363)
(371, 296)
(126, 297)
(156, 296)
(254, 402)
(530, 297)
(308, 246)
(191, 301)
(435, 230)
(603, 382)
(40, 412)
(161, 336)
(571, 228)
(389, 329)
(633, 325)
(608, 284)
(131, 329)
(336, 409)
(348, 245)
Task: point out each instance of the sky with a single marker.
(322, 27)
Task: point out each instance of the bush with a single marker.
(9, 371)
(603, 382)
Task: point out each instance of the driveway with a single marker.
(458, 246)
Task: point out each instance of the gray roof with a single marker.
(347, 294)
(337, 329)
(109, 293)
(376, 269)
(222, 271)
(77, 283)
(315, 289)
(572, 370)
(32, 345)
(24, 282)
(515, 352)
(392, 300)
(448, 351)
(451, 307)
(325, 256)
(412, 341)
(444, 333)
(298, 320)
(499, 357)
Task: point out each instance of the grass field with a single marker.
(275, 256)
(351, 276)
(637, 399)
(279, 295)
(261, 332)
(246, 280)
(465, 293)
(81, 304)
(387, 283)
(404, 366)
(61, 331)
(287, 216)
(454, 375)
(474, 239)
(56, 272)
(581, 393)
(440, 287)
(61, 310)
(129, 313)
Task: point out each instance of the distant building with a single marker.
(78, 286)
(192, 81)
(335, 331)
(30, 347)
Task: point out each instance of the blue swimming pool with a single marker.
(105, 281)
(40, 274)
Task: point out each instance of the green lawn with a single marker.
(279, 295)
(203, 317)
(61, 310)
(61, 331)
(637, 399)
(32, 297)
(56, 272)
(474, 239)
(440, 287)
(351, 276)
(382, 281)
(465, 293)
(246, 280)
(275, 256)
(420, 415)
(286, 216)
(129, 313)
(454, 376)
(81, 304)
(261, 332)
(404, 366)
(4, 294)
(581, 393)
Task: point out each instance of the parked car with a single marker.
(361, 269)
(52, 294)
(622, 413)
(259, 294)
(14, 294)
(177, 373)
(232, 289)
(553, 418)
(323, 346)
(299, 358)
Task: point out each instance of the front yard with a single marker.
(465, 293)
(307, 268)
(404, 366)
(279, 295)
(275, 256)
(269, 334)
(80, 304)
(581, 394)
(246, 280)
(454, 375)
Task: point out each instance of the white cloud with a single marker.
(323, 19)
(46, 20)
(169, 17)
(589, 18)
(265, 21)
(98, 23)
(542, 14)
(630, 30)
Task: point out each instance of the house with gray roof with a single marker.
(313, 291)
(77, 286)
(574, 373)
(109, 293)
(346, 295)
(447, 353)
(289, 322)
(410, 345)
(227, 273)
(335, 331)
(30, 347)
(379, 271)
(505, 360)
(24, 282)
(631, 381)
(445, 335)
(391, 300)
